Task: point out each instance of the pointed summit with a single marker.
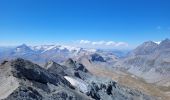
(50, 64)
(70, 63)
(55, 68)
(23, 48)
(23, 45)
(145, 48)
(165, 44)
(166, 40)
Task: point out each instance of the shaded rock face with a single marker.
(70, 63)
(25, 69)
(80, 67)
(75, 69)
(55, 68)
(97, 57)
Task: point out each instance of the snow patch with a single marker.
(78, 83)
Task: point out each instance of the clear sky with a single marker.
(92, 21)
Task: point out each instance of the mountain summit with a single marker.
(165, 44)
(145, 48)
(150, 61)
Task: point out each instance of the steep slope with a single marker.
(145, 49)
(55, 68)
(25, 80)
(150, 61)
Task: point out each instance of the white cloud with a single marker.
(121, 44)
(84, 42)
(98, 43)
(110, 43)
(103, 43)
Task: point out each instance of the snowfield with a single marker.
(80, 84)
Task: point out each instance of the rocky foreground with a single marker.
(23, 80)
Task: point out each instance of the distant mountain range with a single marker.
(40, 71)
(57, 53)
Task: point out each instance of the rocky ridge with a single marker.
(28, 81)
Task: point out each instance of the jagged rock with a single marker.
(26, 70)
(113, 91)
(77, 74)
(70, 63)
(75, 65)
(81, 68)
(93, 92)
(25, 93)
(23, 80)
(4, 62)
(55, 68)
(76, 69)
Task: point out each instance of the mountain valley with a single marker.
(55, 72)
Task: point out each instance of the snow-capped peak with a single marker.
(157, 42)
(42, 47)
(46, 48)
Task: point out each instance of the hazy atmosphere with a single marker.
(84, 49)
(110, 23)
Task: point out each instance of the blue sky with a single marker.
(70, 21)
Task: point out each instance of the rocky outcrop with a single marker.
(76, 69)
(113, 91)
(34, 83)
(55, 68)
(96, 57)
(24, 69)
